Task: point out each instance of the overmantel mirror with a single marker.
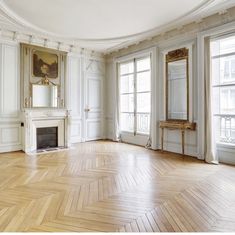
(45, 94)
(43, 73)
(177, 85)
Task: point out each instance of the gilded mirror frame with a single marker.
(172, 56)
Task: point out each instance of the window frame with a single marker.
(224, 83)
(134, 59)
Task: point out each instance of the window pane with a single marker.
(143, 81)
(143, 64)
(127, 68)
(216, 72)
(233, 69)
(127, 103)
(224, 96)
(226, 69)
(127, 122)
(223, 70)
(143, 123)
(143, 102)
(223, 46)
(227, 100)
(127, 84)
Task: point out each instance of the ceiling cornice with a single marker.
(12, 21)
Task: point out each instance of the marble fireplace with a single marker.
(35, 120)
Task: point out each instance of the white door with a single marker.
(93, 107)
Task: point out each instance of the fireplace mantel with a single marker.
(37, 118)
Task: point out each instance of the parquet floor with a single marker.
(105, 186)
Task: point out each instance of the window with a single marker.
(135, 95)
(223, 88)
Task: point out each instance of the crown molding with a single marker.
(12, 22)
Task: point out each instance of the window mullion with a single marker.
(135, 97)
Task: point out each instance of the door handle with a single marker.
(87, 110)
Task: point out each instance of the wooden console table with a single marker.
(174, 125)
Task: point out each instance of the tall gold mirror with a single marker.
(177, 80)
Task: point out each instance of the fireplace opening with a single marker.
(47, 137)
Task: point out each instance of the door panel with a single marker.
(93, 108)
(94, 93)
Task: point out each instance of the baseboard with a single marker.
(12, 148)
(226, 154)
(177, 148)
(75, 140)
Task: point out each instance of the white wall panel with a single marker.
(75, 97)
(9, 82)
(10, 137)
(94, 131)
(10, 129)
(76, 131)
(94, 97)
(75, 86)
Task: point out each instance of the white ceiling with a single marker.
(102, 23)
(100, 19)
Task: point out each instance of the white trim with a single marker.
(138, 54)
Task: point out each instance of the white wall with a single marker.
(172, 138)
(10, 129)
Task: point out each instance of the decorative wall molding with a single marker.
(23, 29)
(184, 31)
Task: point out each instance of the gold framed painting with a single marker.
(45, 63)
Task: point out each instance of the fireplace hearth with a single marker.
(47, 137)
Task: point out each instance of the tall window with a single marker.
(223, 82)
(135, 95)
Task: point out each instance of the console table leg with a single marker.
(162, 139)
(183, 142)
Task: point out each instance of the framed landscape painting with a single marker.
(45, 63)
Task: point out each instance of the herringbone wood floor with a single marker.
(105, 186)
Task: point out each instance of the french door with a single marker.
(135, 99)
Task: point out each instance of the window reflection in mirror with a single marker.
(177, 90)
(44, 96)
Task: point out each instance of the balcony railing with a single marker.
(227, 129)
(142, 122)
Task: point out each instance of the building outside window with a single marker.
(223, 83)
